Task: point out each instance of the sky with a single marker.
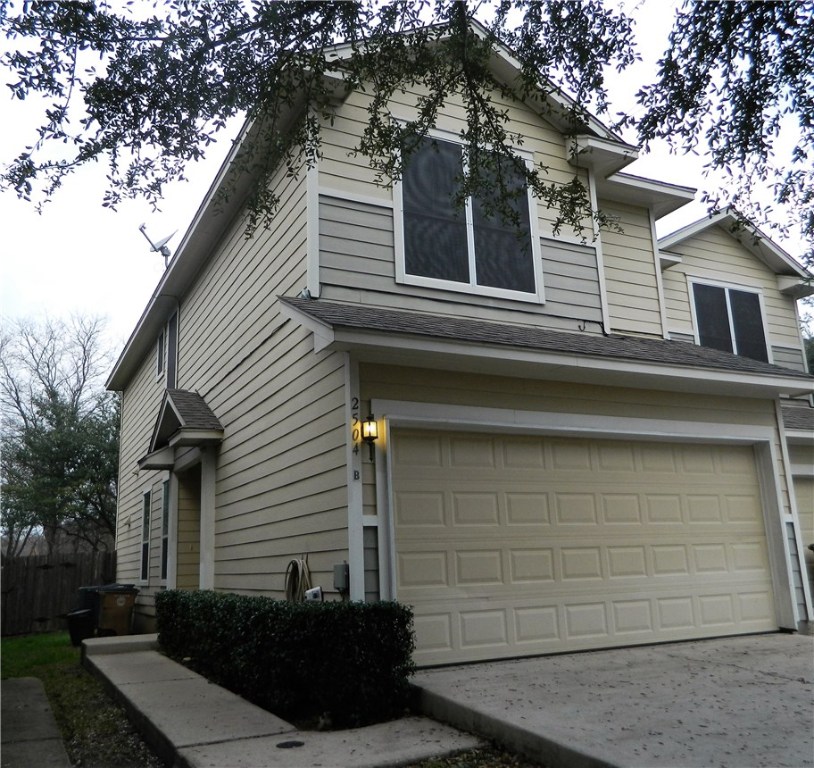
(78, 257)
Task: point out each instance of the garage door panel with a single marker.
(510, 545)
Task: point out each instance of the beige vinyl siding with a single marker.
(789, 357)
(280, 472)
(188, 550)
(340, 170)
(421, 385)
(357, 264)
(140, 404)
(630, 272)
(357, 254)
(715, 255)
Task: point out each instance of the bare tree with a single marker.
(60, 432)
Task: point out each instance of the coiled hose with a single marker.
(297, 580)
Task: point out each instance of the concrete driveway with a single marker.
(740, 702)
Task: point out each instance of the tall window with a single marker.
(165, 528)
(730, 319)
(160, 349)
(464, 248)
(167, 352)
(172, 350)
(145, 536)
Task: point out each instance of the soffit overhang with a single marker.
(376, 343)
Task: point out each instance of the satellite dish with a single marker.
(159, 247)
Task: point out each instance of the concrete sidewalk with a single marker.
(30, 736)
(193, 724)
(740, 701)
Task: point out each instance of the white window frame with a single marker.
(693, 281)
(161, 355)
(165, 532)
(146, 526)
(472, 287)
(163, 349)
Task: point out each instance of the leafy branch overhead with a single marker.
(148, 90)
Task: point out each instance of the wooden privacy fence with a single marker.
(38, 591)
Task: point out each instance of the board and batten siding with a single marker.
(280, 470)
(630, 272)
(357, 264)
(717, 256)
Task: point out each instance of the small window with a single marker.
(464, 248)
(172, 350)
(165, 528)
(145, 536)
(731, 320)
(159, 355)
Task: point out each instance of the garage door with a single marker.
(513, 545)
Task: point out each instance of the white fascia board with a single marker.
(662, 198)
(185, 437)
(602, 156)
(372, 346)
(163, 458)
(799, 437)
(324, 334)
(750, 237)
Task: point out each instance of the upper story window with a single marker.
(443, 245)
(167, 352)
(730, 319)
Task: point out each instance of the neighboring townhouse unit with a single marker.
(569, 455)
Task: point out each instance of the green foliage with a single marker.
(61, 432)
(349, 661)
(734, 76)
(155, 86)
(808, 343)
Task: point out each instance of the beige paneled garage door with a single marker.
(513, 545)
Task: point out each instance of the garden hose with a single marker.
(297, 580)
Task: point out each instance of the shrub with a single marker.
(347, 661)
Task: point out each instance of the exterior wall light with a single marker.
(370, 432)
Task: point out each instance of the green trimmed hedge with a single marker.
(347, 661)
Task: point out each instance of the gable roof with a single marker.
(748, 235)
(580, 355)
(600, 148)
(184, 418)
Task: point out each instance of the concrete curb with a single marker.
(524, 741)
(191, 723)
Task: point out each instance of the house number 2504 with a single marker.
(356, 424)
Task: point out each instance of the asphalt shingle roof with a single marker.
(798, 417)
(193, 410)
(632, 348)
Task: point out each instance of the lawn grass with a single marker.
(96, 731)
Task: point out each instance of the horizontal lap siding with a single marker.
(140, 403)
(630, 272)
(715, 255)
(357, 263)
(357, 256)
(280, 469)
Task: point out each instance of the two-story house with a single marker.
(579, 444)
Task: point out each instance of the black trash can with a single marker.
(81, 625)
